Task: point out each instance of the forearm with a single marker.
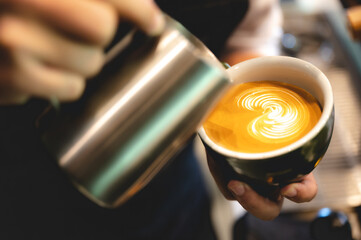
(258, 34)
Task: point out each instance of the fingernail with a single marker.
(290, 193)
(237, 188)
(54, 101)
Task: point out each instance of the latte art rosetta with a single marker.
(262, 116)
(282, 113)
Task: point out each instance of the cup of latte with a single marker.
(274, 124)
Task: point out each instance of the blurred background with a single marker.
(318, 31)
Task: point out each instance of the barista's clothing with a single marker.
(212, 21)
(37, 201)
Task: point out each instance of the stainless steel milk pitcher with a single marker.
(150, 98)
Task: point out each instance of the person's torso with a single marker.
(212, 21)
(32, 185)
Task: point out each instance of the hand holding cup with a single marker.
(270, 170)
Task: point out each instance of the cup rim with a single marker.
(289, 62)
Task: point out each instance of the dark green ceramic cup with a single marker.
(274, 169)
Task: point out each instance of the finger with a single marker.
(144, 13)
(32, 78)
(91, 21)
(260, 207)
(303, 191)
(19, 34)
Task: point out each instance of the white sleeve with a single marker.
(261, 29)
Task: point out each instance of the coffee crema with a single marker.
(262, 116)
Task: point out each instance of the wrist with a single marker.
(239, 56)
